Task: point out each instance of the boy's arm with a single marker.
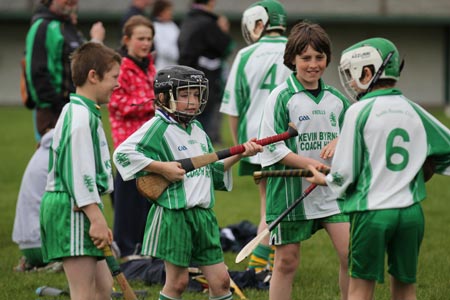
(301, 162)
(171, 170)
(251, 148)
(99, 231)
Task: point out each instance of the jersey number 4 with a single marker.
(269, 80)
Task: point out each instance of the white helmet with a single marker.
(378, 53)
(270, 12)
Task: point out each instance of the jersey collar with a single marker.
(382, 92)
(88, 103)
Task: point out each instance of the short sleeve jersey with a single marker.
(163, 139)
(256, 71)
(80, 163)
(383, 145)
(318, 121)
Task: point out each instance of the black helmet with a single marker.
(173, 78)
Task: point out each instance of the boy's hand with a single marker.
(317, 178)
(328, 151)
(251, 148)
(172, 171)
(100, 234)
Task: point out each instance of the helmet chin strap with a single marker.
(377, 75)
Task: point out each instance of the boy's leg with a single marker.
(218, 281)
(81, 274)
(401, 290)
(103, 280)
(287, 259)
(339, 235)
(177, 279)
(360, 289)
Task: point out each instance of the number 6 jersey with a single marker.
(383, 145)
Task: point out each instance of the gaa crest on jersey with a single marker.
(304, 118)
(333, 120)
(272, 147)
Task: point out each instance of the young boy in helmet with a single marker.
(318, 111)
(385, 141)
(256, 71)
(182, 228)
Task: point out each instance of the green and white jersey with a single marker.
(163, 139)
(256, 71)
(382, 147)
(318, 121)
(80, 163)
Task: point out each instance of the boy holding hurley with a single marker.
(73, 228)
(181, 225)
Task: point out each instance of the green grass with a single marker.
(316, 277)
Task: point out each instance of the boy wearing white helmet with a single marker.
(387, 149)
(256, 71)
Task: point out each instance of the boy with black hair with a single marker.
(73, 228)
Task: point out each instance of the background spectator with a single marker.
(204, 43)
(131, 106)
(166, 34)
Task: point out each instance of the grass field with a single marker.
(316, 277)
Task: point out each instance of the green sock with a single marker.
(259, 258)
(226, 297)
(164, 297)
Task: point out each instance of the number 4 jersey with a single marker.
(382, 147)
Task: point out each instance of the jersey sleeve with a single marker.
(128, 160)
(229, 100)
(82, 186)
(347, 158)
(274, 121)
(438, 140)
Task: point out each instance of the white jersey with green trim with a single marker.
(80, 163)
(163, 139)
(318, 121)
(256, 71)
(383, 145)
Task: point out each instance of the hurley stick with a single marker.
(153, 185)
(128, 293)
(258, 175)
(248, 249)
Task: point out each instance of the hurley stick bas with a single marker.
(248, 249)
(128, 293)
(153, 185)
(258, 175)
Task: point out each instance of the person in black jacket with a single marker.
(50, 40)
(204, 42)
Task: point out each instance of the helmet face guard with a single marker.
(270, 12)
(180, 85)
(378, 53)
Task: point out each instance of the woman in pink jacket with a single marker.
(130, 107)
